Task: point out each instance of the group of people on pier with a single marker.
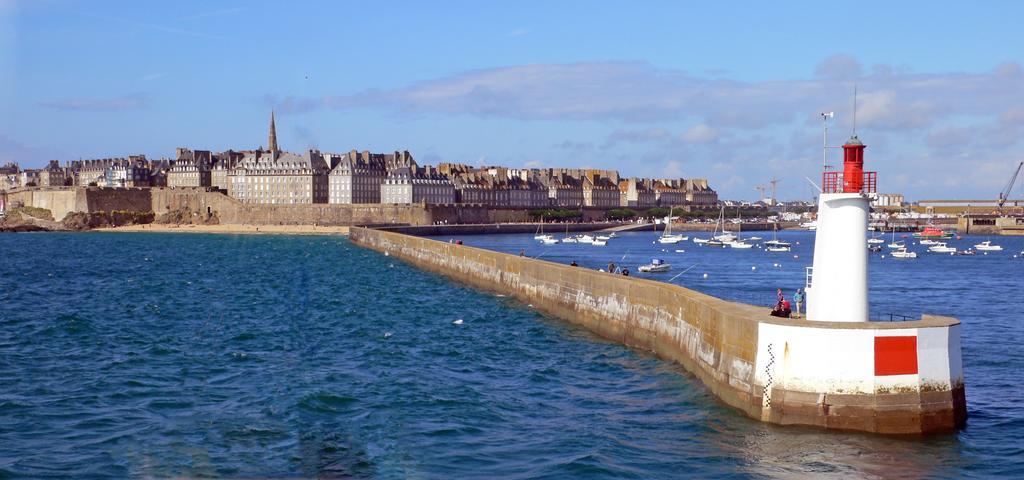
(782, 306)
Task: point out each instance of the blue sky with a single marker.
(724, 91)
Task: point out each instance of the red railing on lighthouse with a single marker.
(833, 182)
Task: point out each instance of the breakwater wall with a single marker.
(894, 378)
(556, 229)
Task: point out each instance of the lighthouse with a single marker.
(837, 283)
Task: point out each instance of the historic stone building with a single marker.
(90, 172)
(280, 178)
(564, 189)
(276, 177)
(192, 168)
(52, 175)
(600, 191)
(698, 193)
(223, 163)
(636, 193)
(417, 185)
(357, 177)
(131, 172)
(670, 193)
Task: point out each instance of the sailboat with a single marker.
(720, 240)
(875, 240)
(897, 245)
(568, 238)
(667, 236)
(540, 235)
(776, 245)
(738, 242)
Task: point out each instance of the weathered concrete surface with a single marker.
(714, 339)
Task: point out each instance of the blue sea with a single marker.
(158, 355)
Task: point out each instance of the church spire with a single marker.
(272, 141)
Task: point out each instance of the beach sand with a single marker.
(236, 229)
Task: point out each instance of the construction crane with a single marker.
(773, 181)
(1005, 194)
(760, 189)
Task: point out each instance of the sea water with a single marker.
(255, 356)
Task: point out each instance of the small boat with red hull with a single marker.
(933, 232)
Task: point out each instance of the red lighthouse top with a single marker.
(853, 178)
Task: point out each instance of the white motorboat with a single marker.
(897, 245)
(941, 247)
(740, 244)
(604, 237)
(716, 243)
(569, 240)
(903, 253)
(777, 248)
(657, 265)
(585, 238)
(987, 246)
(930, 242)
(549, 241)
(599, 243)
(875, 241)
(753, 239)
(700, 240)
(679, 250)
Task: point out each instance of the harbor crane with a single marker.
(1005, 194)
(773, 182)
(760, 189)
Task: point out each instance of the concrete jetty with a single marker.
(864, 376)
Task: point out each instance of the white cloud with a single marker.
(699, 133)
(127, 102)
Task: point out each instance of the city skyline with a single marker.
(654, 90)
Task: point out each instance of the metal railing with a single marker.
(809, 276)
(890, 317)
(833, 182)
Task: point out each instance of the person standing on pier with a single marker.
(798, 299)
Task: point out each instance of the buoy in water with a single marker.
(705, 275)
(387, 334)
(753, 268)
(457, 322)
(387, 254)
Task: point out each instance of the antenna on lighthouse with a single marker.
(855, 109)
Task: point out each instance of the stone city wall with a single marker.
(59, 201)
(828, 374)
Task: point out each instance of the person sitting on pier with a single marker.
(574, 264)
(782, 308)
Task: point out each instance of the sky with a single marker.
(728, 91)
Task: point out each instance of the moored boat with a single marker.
(988, 246)
(657, 265)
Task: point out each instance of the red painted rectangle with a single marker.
(896, 355)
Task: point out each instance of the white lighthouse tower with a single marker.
(837, 284)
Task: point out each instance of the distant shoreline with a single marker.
(229, 229)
